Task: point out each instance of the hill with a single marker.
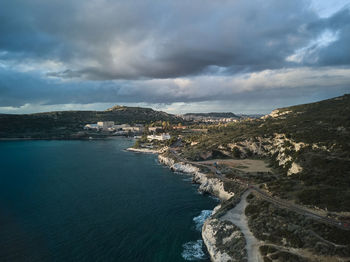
(63, 124)
(308, 145)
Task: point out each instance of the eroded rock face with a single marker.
(224, 241)
(207, 184)
(294, 169)
(212, 186)
(279, 147)
(277, 113)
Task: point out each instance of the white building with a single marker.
(133, 129)
(91, 126)
(110, 126)
(161, 137)
(120, 127)
(105, 124)
(155, 128)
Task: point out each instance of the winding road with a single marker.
(274, 200)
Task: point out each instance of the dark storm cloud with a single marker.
(331, 47)
(60, 51)
(104, 39)
(338, 52)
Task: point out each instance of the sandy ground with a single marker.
(246, 165)
(237, 217)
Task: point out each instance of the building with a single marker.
(105, 124)
(155, 129)
(179, 127)
(111, 127)
(134, 129)
(91, 127)
(161, 137)
(120, 127)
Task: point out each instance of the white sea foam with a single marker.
(199, 220)
(193, 251)
(180, 173)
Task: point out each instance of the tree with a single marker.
(137, 144)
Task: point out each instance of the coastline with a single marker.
(217, 224)
(236, 229)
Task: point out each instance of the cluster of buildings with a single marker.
(208, 118)
(125, 129)
(220, 120)
(160, 137)
(109, 126)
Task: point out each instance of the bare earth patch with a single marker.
(246, 165)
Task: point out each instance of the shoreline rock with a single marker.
(222, 238)
(224, 241)
(212, 186)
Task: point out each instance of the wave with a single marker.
(193, 251)
(199, 220)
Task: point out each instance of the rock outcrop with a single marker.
(210, 185)
(279, 148)
(224, 241)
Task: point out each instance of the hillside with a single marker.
(308, 145)
(62, 124)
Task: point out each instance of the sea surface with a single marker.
(94, 201)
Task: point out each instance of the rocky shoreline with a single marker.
(223, 239)
(245, 227)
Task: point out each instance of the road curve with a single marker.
(276, 201)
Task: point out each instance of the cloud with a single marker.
(21, 88)
(331, 46)
(104, 40)
(103, 51)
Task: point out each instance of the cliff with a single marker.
(210, 185)
(223, 239)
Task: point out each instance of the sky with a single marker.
(176, 56)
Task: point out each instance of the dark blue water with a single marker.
(92, 201)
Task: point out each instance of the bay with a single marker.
(93, 201)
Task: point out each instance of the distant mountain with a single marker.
(214, 114)
(62, 124)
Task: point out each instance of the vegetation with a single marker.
(324, 130)
(65, 124)
(291, 230)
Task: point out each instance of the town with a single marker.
(154, 132)
(195, 123)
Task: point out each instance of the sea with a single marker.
(94, 201)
